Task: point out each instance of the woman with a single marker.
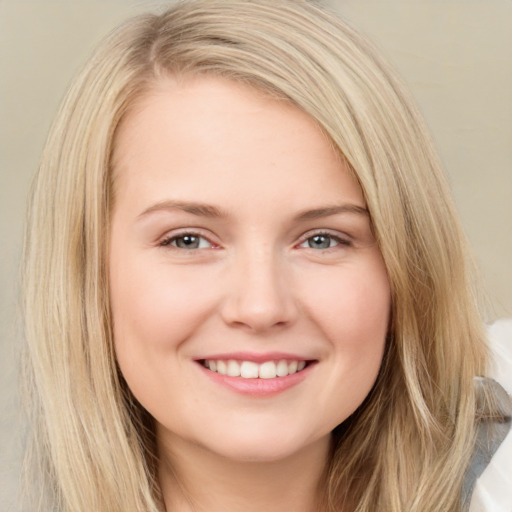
(246, 285)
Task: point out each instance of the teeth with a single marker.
(268, 370)
(221, 367)
(249, 370)
(233, 368)
(252, 370)
(282, 369)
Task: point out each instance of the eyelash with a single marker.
(340, 241)
(169, 240)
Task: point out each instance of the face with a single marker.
(249, 297)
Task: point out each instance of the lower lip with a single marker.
(258, 387)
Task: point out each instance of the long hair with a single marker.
(408, 445)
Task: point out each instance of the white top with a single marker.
(493, 489)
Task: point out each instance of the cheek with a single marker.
(155, 309)
(354, 318)
(353, 305)
(352, 309)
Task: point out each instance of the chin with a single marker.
(261, 447)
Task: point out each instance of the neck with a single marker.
(194, 479)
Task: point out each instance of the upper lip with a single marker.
(255, 357)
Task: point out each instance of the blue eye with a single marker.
(323, 241)
(187, 241)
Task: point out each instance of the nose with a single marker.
(259, 295)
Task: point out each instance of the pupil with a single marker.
(188, 242)
(319, 242)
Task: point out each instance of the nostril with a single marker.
(258, 300)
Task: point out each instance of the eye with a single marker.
(323, 241)
(187, 241)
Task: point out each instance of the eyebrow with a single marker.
(206, 210)
(199, 209)
(318, 213)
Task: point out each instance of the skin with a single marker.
(258, 282)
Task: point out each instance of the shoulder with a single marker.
(493, 489)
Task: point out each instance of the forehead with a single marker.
(210, 130)
(184, 96)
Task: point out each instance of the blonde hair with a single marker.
(408, 445)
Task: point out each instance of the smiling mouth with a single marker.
(253, 370)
